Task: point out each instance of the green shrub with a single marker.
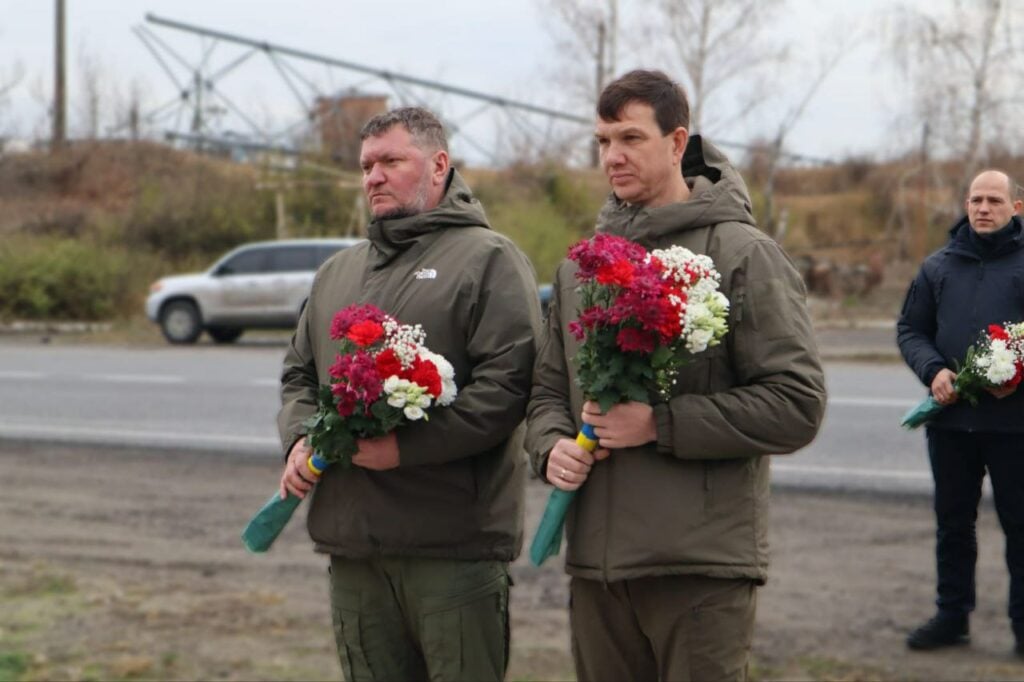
(51, 278)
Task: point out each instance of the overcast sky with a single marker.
(496, 46)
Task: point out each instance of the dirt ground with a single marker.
(122, 564)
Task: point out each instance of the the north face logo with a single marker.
(426, 273)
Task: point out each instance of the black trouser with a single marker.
(959, 461)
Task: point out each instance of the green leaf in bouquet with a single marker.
(661, 356)
(637, 393)
(335, 445)
(600, 381)
(607, 400)
(616, 364)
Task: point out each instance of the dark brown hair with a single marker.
(653, 88)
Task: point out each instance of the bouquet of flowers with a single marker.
(643, 317)
(383, 376)
(995, 361)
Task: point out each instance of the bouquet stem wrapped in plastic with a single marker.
(547, 541)
(273, 516)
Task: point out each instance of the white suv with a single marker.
(258, 285)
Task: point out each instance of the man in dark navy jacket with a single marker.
(976, 280)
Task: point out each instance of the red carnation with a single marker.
(620, 272)
(388, 363)
(995, 331)
(365, 333)
(425, 374)
(346, 318)
(1016, 377)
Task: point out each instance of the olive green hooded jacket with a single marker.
(695, 501)
(458, 491)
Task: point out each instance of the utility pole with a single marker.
(197, 112)
(59, 91)
(595, 152)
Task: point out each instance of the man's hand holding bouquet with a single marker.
(994, 364)
(383, 376)
(643, 316)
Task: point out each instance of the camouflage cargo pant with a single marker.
(420, 619)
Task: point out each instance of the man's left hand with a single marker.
(379, 454)
(625, 425)
(1002, 392)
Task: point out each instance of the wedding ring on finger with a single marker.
(564, 473)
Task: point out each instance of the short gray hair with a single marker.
(424, 127)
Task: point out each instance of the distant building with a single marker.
(339, 119)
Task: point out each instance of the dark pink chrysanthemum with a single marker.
(345, 318)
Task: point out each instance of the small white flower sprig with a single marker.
(405, 339)
(703, 314)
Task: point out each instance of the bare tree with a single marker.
(962, 62)
(586, 34)
(776, 147)
(717, 44)
(91, 92)
(10, 78)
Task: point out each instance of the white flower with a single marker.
(698, 340)
(412, 412)
(1000, 364)
(391, 384)
(396, 400)
(447, 372)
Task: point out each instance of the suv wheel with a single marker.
(180, 323)
(224, 334)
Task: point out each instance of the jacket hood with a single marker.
(718, 195)
(457, 208)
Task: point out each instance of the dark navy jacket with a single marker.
(961, 289)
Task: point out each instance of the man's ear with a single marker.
(1017, 206)
(440, 163)
(680, 136)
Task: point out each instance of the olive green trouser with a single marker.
(407, 619)
(667, 628)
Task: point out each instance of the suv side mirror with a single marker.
(223, 269)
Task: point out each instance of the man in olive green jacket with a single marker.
(421, 529)
(668, 537)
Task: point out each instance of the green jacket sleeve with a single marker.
(299, 382)
(778, 400)
(501, 344)
(548, 416)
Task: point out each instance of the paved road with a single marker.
(225, 399)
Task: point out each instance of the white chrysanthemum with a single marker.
(1001, 364)
(447, 372)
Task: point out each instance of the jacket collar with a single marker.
(717, 194)
(457, 208)
(961, 242)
